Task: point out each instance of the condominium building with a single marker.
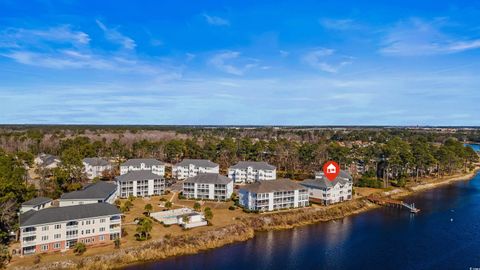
(94, 167)
(210, 186)
(140, 184)
(191, 167)
(37, 203)
(270, 195)
(100, 191)
(252, 171)
(60, 228)
(143, 164)
(325, 192)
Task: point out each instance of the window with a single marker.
(87, 222)
(58, 226)
(45, 238)
(102, 229)
(44, 247)
(87, 231)
(101, 237)
(102, 220)
(45, 228)
(56, 245)
(57, 236)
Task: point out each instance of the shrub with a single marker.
(128, 205)
(196, 206)
(37, 259)
(208, 213)
(372, 182)
(117, 243)
(5, 256)
(79, 248)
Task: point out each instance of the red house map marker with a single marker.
(331, 169)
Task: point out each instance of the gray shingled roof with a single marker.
(342, 174)
(96, 161)
(267, 186)
(58, 214)
(137, 161)
(137, 175)
(323, 182)
(209, 178)
(99, 190)
(197, 162)
(256, 165)
(48, 159)
(37, 201)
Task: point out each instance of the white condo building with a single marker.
(140, 184)
(325, 192)
(252, 171)
(143, 164)
(94, 167)
(60, 228)
(36, 204)
(273, 195)
(210, 186)
(191, 167)
(100, 191)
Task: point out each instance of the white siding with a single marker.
(184, 172)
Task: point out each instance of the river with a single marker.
(444, 235)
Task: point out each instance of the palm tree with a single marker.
(148, 208)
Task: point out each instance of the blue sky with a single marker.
(240, 62)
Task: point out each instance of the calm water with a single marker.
(475, 147)
(444, 235)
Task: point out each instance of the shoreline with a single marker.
(243, 229)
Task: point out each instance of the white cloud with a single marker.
(115, 36)
(326, 60)
(63, 48)
(418, 37)
(337, 24)
(19, 37)
(284, 53)
(229, 62)
(214, 20)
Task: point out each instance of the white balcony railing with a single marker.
(29, 233)
(72, 236)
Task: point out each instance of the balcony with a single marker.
(29, 233)
(72, 236)
(29, 242)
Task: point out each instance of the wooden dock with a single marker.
(393, 203)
